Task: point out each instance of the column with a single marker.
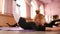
(8, 7)
(28, 8)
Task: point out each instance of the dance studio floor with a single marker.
(18, 30)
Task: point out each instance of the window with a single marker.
(22, 9)
(42, 9)
(2, 4)
(33, 9)
(19, 11)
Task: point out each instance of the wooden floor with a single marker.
(29, 32)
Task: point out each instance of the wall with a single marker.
(8, 7)
(52, 8)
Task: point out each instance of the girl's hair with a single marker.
(55, 16)
(37, 11)
(39, 16)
